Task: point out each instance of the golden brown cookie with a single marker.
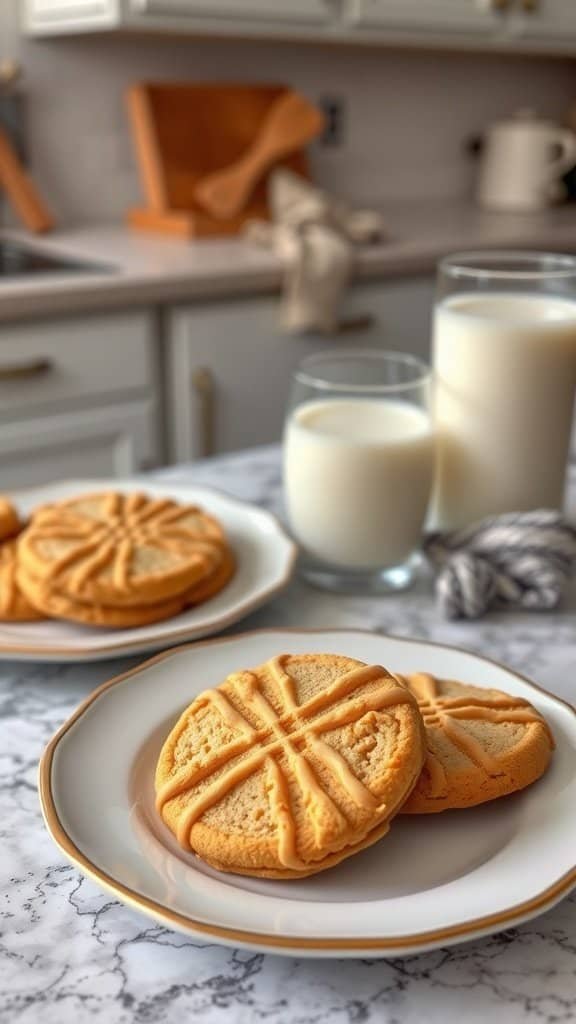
(14, 605)
(120, 549)
(482, 744)
(208, 588)
(60, 606)
(10, 523)
(286, 769)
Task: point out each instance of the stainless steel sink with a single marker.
(18, 260)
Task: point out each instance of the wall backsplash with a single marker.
(407, 113)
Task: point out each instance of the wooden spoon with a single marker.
(290, 123)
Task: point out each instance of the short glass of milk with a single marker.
(504, 357)
(359, 454)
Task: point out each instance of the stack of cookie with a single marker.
(291, 767)
(110, 559)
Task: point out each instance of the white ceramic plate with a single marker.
(434, 880)
(265, 556)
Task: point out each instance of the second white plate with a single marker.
(434, 880)
(265, 560)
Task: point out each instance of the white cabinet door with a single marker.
(115, 441)
(544, 21)
(478, 16)
(68, 14)
(238, 10)
(229, 367)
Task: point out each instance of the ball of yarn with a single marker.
(466, 586)
(521, 559)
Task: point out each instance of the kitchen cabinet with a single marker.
(228, 365)
(104, 442)
(466, 16)
(286, 11)
(78, 397)
(56, 16)
(546, 26)
(544, 21)
(218, 17)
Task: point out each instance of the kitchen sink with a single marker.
(17, 260)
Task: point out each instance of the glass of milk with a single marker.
(505, 378)
(358, 467)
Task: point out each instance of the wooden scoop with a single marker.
(20, 190)
(291, 122)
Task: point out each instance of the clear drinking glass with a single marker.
(505, 377)
(358, 467)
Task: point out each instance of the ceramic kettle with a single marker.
(523, 160)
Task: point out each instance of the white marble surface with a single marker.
(151, 268)
(70, 954)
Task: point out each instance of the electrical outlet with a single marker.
(334, 110)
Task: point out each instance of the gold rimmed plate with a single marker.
(432, 881)
(265, 558)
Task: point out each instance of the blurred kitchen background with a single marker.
(123, 348)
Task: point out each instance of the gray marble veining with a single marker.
(71, 953)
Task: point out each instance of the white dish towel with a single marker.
(314, 235)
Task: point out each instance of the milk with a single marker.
(358, 475)
(505, 369)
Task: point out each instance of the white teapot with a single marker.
(523, 160)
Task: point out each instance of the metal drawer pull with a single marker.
(203, 385)
(27, 371)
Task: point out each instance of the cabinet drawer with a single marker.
(72, 361)
(114, 441)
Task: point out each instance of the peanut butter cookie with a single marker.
(14, 604)
(482, 744)
(120, 550)
(287, 769)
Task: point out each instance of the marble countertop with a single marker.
(157, 269)
(69, 953)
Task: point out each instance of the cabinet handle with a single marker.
(353, 325)
(27, 371)
(204, 391)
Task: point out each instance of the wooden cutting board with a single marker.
(186, 131)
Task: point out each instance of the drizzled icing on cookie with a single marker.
(292, 733)
(95, 539)
(448, 714)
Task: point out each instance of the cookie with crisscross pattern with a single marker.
(120, 550)
(286, 769)
(481, 744)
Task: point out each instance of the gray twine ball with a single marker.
(521, 559)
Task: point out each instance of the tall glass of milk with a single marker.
(358, 467)
(505, 377)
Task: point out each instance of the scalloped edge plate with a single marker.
(265, 555)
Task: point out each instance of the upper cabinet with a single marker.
(301, 11)
(545, 26)
(217, 17)
(543, 21)
(413, 16)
